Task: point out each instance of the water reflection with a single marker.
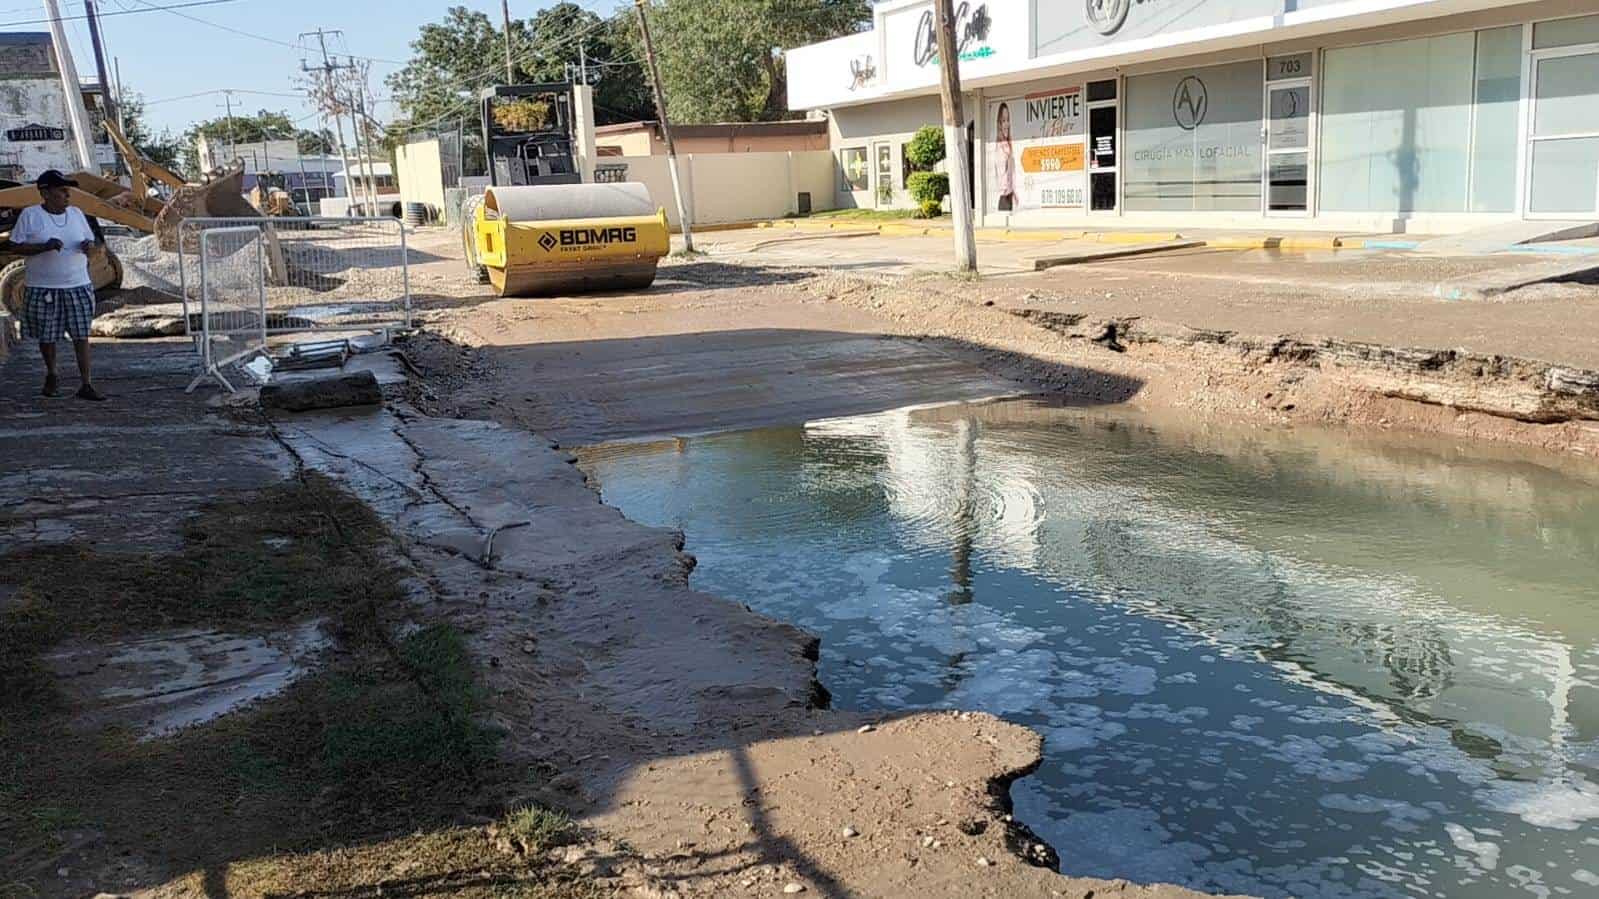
(1264, 661)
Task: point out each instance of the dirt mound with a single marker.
(220, 198)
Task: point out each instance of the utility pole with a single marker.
(364, 124)
(960, 188)
(116, 65)
(107, 103)
(666, 127)
(233, 142)
(108, 106)
(582, 62)
(510, 70)
(70, 86)
(328, 69)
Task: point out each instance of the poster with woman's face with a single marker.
(1035, 148)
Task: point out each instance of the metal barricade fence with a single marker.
(233, 314)
(322, 274)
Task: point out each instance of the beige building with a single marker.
(644, 138)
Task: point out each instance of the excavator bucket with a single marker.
(222, 198)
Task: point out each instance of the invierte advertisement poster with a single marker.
(1035, 151)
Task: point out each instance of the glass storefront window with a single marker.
(1396, 125)
(1288, 177)
(1289, 128)
(1565, 33)
(1565, 176)
(1568, 96)
(1494, 137)
(1192, 139)
(853, 161)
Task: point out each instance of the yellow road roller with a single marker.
(537, 240)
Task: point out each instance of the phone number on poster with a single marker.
(1068, 196)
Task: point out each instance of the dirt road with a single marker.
(733, 341)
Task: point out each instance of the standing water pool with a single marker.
(1276, 662)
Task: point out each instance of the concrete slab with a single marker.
(1114, 252)
(159, 683)
(1495, 238)
(124, 473)
(1498, 282)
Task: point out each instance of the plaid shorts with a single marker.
(50, 311)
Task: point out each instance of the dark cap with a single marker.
(53, 178)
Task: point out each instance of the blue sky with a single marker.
(165, 56)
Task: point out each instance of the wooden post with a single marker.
(510, 69)
(956, 153)
(666, 128)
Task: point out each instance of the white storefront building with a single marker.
(1428, 116)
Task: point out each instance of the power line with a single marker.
(120, 12)
(455, 108)
(256, 37)
(223, 90)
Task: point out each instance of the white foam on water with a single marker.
(1556, 805)
(1397, 814)
(1529, 880)
(1583, 875)
(1486, 852)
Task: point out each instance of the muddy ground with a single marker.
(745, 337)
(684, 732)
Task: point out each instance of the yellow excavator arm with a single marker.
(143, 171)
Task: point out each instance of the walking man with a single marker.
(56, 239)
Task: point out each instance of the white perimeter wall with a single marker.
(737, 187)
(420, 173)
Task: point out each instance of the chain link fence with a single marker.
(318, 276)
(232, 266)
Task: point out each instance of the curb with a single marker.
(1284, 243)
(720, 226)
(1048, 262)
(1139, 238)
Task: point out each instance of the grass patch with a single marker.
(538, 829)
(868, 215)
(383, 740)
(458, 862)
(298, 549)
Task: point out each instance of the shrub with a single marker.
(538, 829)
(928, 189)
(926, 148)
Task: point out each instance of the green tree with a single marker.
(722, 60)
(454, 59)
(164, 149)
(926, 148)
(264, 125)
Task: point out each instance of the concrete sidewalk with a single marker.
(125, 473)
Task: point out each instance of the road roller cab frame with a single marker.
(528, 133)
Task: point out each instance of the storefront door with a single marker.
(883, 173)
(1288, 146)
(1103, 136)
(1563, 147)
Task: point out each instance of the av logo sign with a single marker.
(1189, 103)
